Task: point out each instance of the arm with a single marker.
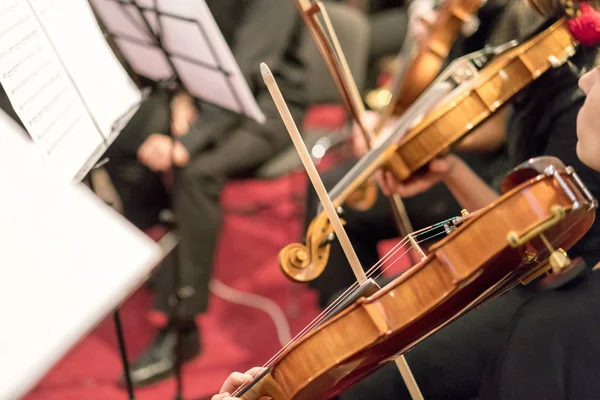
(251, 45)
(471, 192)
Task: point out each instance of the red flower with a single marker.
(586, 27)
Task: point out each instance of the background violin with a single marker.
(468, 106)
(418, 71)
(544, 211)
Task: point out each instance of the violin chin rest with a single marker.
(566, 275)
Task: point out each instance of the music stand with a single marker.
(51, 240)
(156, 38)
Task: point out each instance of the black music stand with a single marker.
(146, 39)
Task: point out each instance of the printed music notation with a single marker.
(62, 79)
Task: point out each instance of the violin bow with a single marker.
(338, 67)
(329, 208)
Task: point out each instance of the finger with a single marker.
(438, 165)
(234, 381)
(380, 176)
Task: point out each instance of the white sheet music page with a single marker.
(105, 87)
(66, 261)
(197, 49)
(63, 81)
(41, 92)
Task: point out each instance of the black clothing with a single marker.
(543, 121)
(553, 351)
(244, 24)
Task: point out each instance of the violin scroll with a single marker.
(306, 262)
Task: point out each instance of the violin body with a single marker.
(433, 52)
(419, 74)
(474, 263)
(495, 85)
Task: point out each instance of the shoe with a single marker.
(158, 361)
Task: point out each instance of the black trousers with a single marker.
(194, 199)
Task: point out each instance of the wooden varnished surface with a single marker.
(469, 266)
(491, 89)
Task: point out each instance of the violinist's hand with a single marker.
(359, 146)
(183, 114)
(438, 170)
(156, 152)
(159, 152)
(181, 156)
(234, 381)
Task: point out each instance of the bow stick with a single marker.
(338, 67)
(329, 208)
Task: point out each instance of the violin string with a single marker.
(370, 272)
(402, 255)
(326, 313)
(383, 260)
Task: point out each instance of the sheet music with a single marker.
(197, 49)
(63, 81)
(104, 85)
(66, 261)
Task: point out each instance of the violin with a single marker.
(543, 211)
(414, 78)
(404, 155)
(431, 54)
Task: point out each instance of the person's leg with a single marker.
(196, 189)
(141, 191)
(448, 365)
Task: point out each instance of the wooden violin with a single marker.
(419, 73)
(432, 52)
(544, 211)
(468, 106)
